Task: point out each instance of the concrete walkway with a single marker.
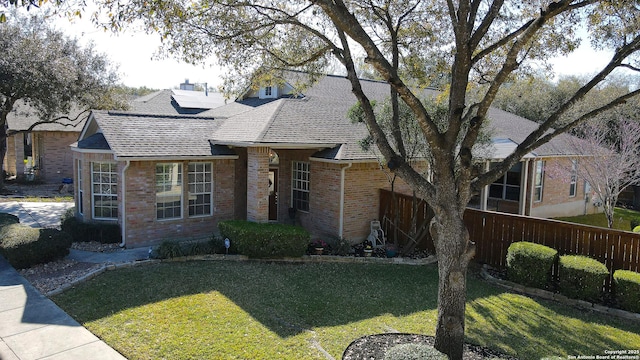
(37, 214)
(33, 327)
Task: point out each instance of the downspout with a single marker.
(342, 177)
(124, 205)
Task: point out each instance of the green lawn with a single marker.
(259, 310)
(621, 219)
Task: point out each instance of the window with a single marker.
(573, 184)
(80, 188)
(538, 181)
(168, 191)
(200, 189)
(300, 185)
(508, 186)
(267, 91)
(104, 188)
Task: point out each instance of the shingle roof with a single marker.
(94, 142)
(161, 136)
(507, 125)
(316, 119)
(164, 102)
(23, 116)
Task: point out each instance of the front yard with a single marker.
(260, 310)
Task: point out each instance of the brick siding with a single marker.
(53, 155)
(142, 227)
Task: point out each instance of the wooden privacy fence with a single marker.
(494, 232)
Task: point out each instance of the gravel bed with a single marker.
(52, 275)
(375, 347)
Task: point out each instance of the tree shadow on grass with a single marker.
(287, 298)
(290, 299)
(524, 326)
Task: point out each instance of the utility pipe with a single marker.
(342, 177)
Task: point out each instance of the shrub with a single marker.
(414, 352)
(265, 240)
(169, 250)
(635, 222)
(627, 289)
(581, 277)
(340, 246)
(8, 219)
(25, 246)
(530, 264)
(83, 232)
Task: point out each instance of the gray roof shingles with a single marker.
(23, 116)
(157, 136)
(317, 118)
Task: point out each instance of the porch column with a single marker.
(258, 184)
(484, 193)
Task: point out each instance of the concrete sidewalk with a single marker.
(33, 327)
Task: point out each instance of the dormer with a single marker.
(268, 92)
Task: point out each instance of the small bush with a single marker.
(581, 277)
(8, 219)
(627, 289)
(25, 246)
(83, 232)
(340, 246)
(414, 352)
(265, 240)
(169, 250)
(217, 246)
(530, 264)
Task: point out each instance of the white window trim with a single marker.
(181, 192)
(294, 188)
(573, 182)
(80, 184)
(541, 186)
(93, 206)
(209, 192)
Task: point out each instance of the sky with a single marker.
(134, 52)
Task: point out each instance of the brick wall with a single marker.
(362, 184)
(258, 184)
(555, 192)
(10, 156)
(142, 228)
(53, 155)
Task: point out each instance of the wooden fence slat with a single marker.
(493, 232)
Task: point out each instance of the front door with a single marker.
(273, 194)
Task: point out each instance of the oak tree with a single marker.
(44, 74)
(462, 45)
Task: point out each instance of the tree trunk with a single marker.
(454, 253)
(3, 152)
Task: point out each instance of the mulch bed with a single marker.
(374, 347)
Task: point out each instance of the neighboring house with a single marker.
(529, 188)
(43, 151)
(274, 154)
